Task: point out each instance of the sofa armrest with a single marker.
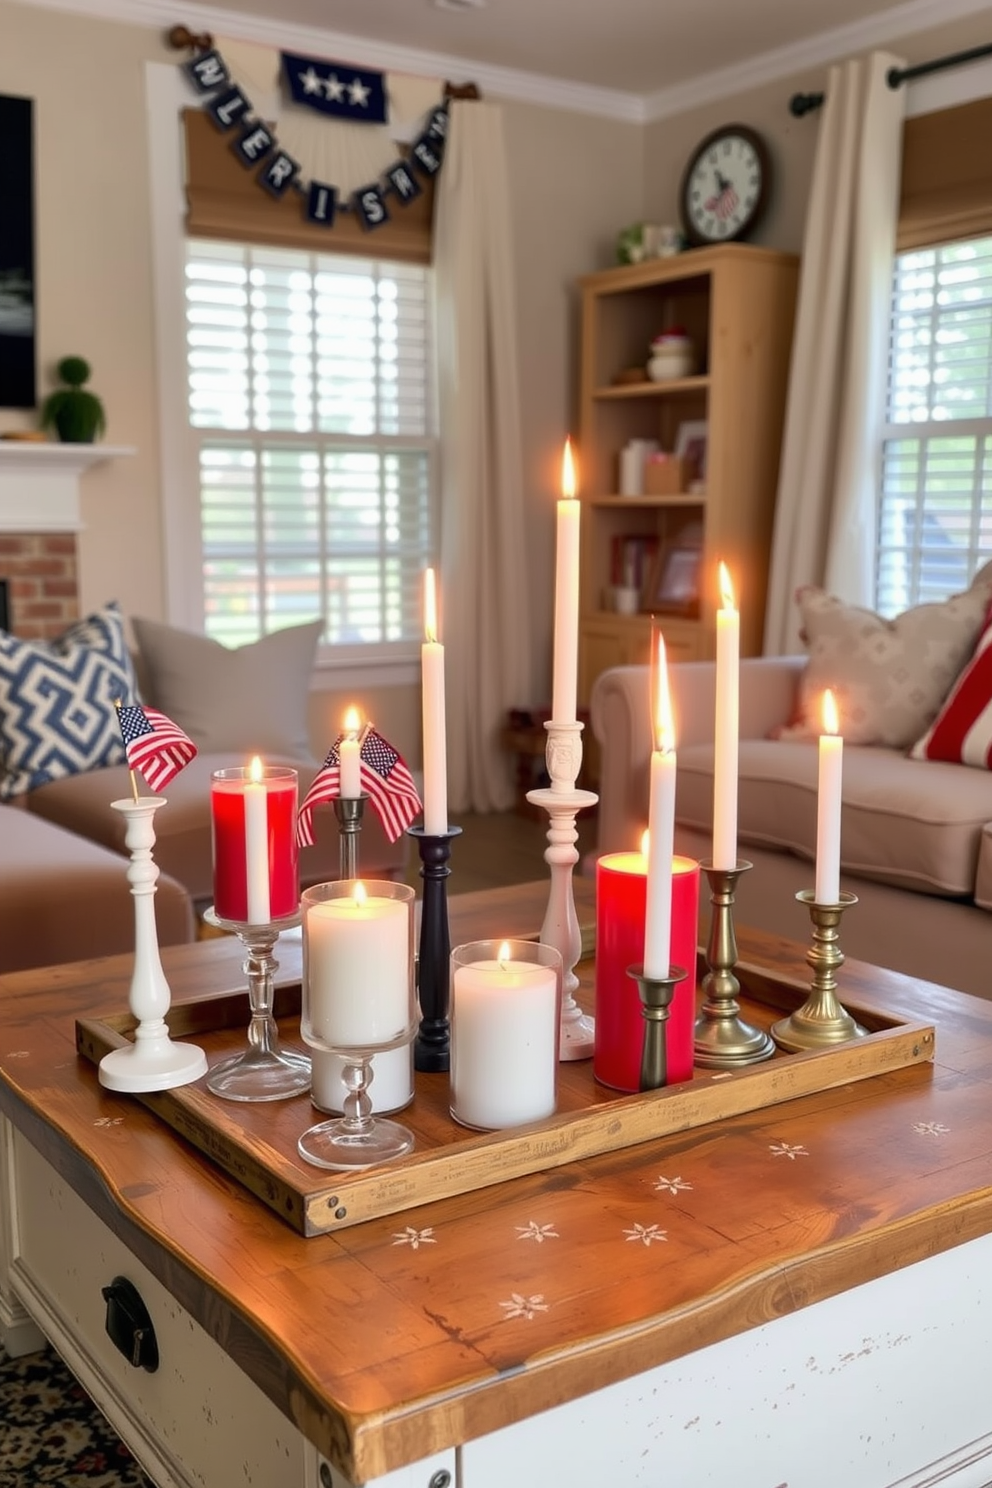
(620, 714)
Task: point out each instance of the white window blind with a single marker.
(935, 511)
(311, 397)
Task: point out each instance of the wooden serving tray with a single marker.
(256, 1142)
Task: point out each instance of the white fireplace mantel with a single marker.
(39, 483)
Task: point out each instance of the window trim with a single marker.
(389, 664)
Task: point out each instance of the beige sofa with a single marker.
(916, 843)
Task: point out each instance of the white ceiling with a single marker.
(647, 53)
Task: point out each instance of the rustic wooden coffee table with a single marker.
(795, 1294)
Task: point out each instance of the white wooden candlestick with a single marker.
(153, 1061)
(563, 802)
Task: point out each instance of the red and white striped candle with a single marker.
(256, 859)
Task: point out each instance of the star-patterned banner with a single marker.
(362, 96)
(334, 89)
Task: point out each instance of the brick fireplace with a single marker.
(39, 519)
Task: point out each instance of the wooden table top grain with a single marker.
(420, 1330)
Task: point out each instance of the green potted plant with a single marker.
(76, 414)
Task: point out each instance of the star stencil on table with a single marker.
(930, 1128)
(311, 82)
(672, 1186)
(415, 1238)
(786, 1149)
(646, 1234)
(538, 1232)
(109, 1121)
(524, 1307)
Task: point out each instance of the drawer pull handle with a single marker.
(129, 1326)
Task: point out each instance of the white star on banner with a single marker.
(311, 82)
(334, 88)
(359, 93)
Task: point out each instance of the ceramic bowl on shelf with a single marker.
(672, 355)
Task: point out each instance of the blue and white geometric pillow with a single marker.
(57, 713)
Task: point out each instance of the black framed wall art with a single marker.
(17, 290)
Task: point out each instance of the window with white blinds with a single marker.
(312, 402)
(935, 511)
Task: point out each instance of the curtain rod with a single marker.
(808, 103)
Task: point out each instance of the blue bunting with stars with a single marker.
(336, 89)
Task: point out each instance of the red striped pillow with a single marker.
(962, 730)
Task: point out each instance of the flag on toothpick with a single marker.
(154, 744)
(384, 777)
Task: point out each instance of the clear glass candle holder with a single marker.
(358, 1001)
(505, 1004)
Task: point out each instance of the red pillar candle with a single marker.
(621, 899)
(256, 859)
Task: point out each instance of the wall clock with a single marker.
(725, 187)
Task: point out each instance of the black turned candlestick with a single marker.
(432, 1047)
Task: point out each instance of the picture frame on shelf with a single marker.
(691, 446)
(674, 582)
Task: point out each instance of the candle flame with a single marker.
(664, 723)
(359, 895)
(430, 605)
(831, 722)
(568, 471)
(255, 771)
(503, 954)
(727, 599)
(352, 723)
(645, 842)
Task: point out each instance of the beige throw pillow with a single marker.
(245, 700)
(889, 677)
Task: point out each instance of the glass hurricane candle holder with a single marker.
(505, 1026)
(358, 1001)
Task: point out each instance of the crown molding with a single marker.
(725, 83)
(503, 82)
(802, 57)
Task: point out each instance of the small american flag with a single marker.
(154, 744)
(385, 778)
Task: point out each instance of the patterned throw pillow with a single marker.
(889, 677)
(962, 730)
(57, 714)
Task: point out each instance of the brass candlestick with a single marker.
(656, 1002)
(722, 1039)
(821, 1022)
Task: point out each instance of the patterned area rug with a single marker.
(52, 1433)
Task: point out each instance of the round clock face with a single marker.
(725, 185)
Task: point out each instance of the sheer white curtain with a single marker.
(484, 593)
(825, 514)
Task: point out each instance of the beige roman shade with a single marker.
(225, 201)
(946, 190)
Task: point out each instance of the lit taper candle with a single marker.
(432, 683)
(566, 651)
(350, 757)
(828, 805)
(727, 726)
(661, 826)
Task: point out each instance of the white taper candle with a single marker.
(725, 755)
(566, 648)
(661, 827)
(828, 806)
(432, 684)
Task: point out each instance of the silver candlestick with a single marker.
(563, 802)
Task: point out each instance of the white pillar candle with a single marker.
(566, 649)
(257, 846)
(661, 828)
(357, 971)
(828, 806)
(504, 1042)
(350, 757)
(727, 727)
(432, 684)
